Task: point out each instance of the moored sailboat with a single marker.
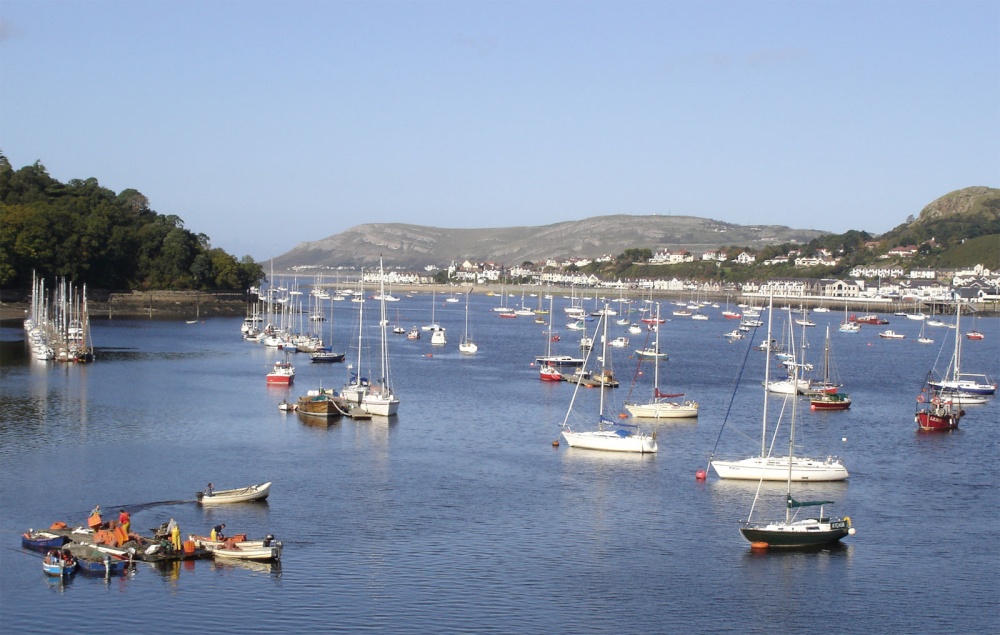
(609, 436)
(793, 533)
(772, 468)
(662, 405)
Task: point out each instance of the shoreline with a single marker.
(201, 305)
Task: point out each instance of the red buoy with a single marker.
(700, 475)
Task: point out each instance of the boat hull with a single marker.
(611, 441)
(239, 495)
(776, 469)
(808, 533)
(42, 541)
(935, 421)
(664, 410)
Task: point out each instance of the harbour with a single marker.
(459, 515)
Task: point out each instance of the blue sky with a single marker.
(267, 124)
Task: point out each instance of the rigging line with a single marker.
(638, 367)
(732, 397)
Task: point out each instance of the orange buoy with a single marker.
(759, 546)
(700, 475)
(430, 354)
(555, 443)
(623, 415)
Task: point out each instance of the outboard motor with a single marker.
(268, 540)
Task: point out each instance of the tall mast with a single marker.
(767, 373)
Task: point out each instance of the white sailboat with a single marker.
(792, 532)
(775, 468)
(661, 406)
(356, 387)
(379, 399)
(609, 436)
(467, 345)
(957, 381)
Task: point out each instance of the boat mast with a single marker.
(791, 448)
(656, 359)
(956, 365)
(382, 324)
(767, 374)
(361, 322)
(604, 360)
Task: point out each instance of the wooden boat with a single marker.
(270, 549)
(59, 563)
(41, 540)
(318, 403)
(239, 540)
(93, 561)
(238, 495)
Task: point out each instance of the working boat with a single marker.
(41, 540)
(326, 356)
(889, 334)
(957, 381)
(282, 374)
(413, 334)
(869, 319)
(321, 403)
(793, 533)
(269, 549)
(238, 495)
(936, 413)
(58, 563)
(609, 436)
(467, 345)
(662, 405)
(778, 468)
(93, 561)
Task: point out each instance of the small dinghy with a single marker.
(238, 495)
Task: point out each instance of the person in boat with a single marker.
(217, 534)
(94, 521)
(175, 536)
(124, 520)
(210, 490)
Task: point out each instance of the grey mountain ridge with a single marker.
(415, 246)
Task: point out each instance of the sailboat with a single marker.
(792, 533)
(769, 468)
(824, 395)
(786, 386)
(467, 345)
(379, 398)
(609, 436)
(356, 387)
(660, 407)
(957, 381)
(923, 339)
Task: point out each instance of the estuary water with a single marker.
(459, 516)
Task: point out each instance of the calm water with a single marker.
(459, 515)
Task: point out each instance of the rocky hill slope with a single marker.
(414, 246)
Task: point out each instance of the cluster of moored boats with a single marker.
(108, 548)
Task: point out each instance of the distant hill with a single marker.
(958, 229)
(975, 202)
(415, 246)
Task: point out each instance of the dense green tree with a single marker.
(88, 234)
